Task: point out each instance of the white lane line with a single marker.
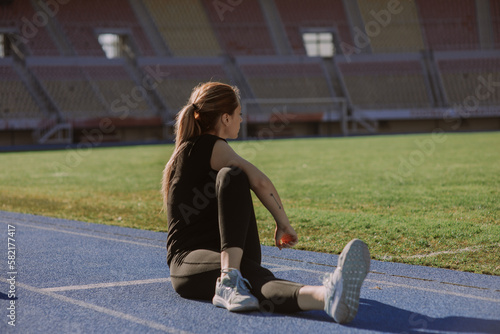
(463, 250)
(456, 251)
(452, 293)
(281, 267)
(84, 234)
(107, 285)
(100, 309)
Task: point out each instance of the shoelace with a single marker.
(327, 279)
(240, 283)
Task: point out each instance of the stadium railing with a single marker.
(386, 81)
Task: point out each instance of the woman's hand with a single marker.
(285, 236)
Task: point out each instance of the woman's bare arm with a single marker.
(224, 156)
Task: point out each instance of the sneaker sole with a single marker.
(354, 263)
(221, 302)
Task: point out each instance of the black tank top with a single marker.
(192, 203)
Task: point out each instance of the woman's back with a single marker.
(191, 203)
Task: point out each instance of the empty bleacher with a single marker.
(20, 19)
(185, 27)
(298, 15)
(123, 96)
(392, 32)
(82, 21)
(449, 24)
(15, 100)
(70, 90)
(285, 78)
(428, 58)
(93, 88)
(495, 18)
(242, 29)
(296, 83)
(183, 76)
(385, 83)
(470, 81)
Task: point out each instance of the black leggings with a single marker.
(195, 275)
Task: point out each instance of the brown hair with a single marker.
(208, 102)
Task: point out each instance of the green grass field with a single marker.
(418, 199)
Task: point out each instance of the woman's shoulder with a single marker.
(203, 145)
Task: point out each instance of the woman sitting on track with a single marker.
(213, 242)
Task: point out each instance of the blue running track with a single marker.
(75, 277)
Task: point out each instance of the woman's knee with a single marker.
(231, 176)
(199, 286)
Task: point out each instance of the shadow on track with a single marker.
(377, 316)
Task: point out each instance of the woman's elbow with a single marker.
(261, 183)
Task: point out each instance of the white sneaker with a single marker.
(232, 292)
(344, 285)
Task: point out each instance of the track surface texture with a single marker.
(76, 277)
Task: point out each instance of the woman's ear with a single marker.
(225, 119)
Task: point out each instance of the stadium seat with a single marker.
(185, 27)
(449, 24)
(429, 56)
(463, 80)
(391, 32)
(241, 28)
(495, 17)
(295, 84)
(298, 15)
(15, 100)
(19, 18)
(71, 91)
(82, 21)
(183, 77)
(385, 84)
(117, 88)
(287, 80)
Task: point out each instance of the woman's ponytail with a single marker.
(186, 125)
